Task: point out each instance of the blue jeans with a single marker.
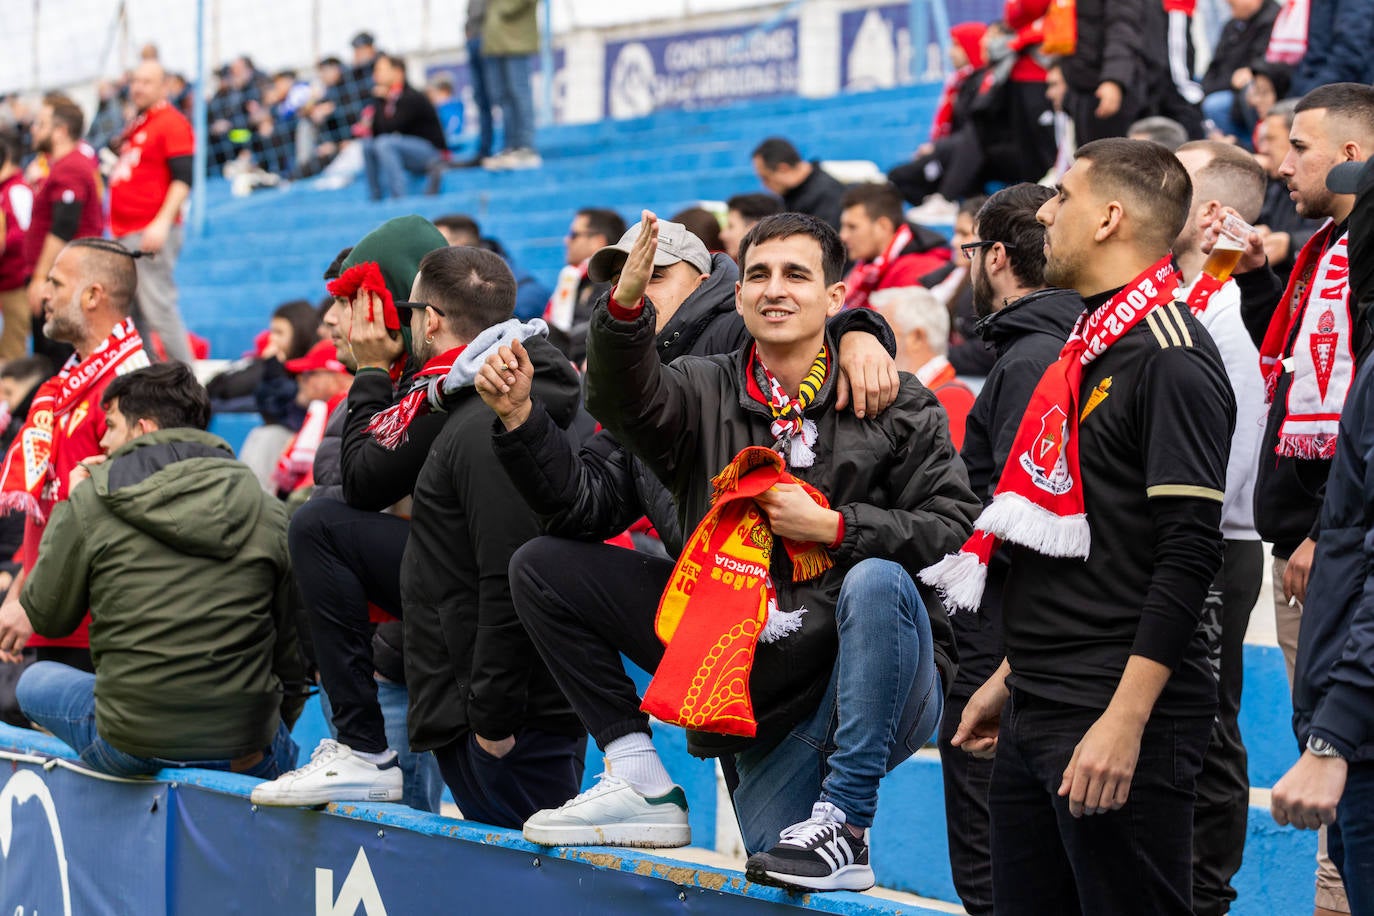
(883, 702)
(388, 158)
(1217, 108)
(422, 786)
(62, 700)
(508, 88)
(1350, 841)
(477, 68)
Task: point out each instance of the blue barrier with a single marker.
(189, 842)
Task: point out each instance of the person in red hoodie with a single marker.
(888, 250)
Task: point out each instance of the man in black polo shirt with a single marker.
(1110, 508)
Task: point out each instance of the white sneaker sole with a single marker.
(297, 799)
(647, 836)
(849, 878)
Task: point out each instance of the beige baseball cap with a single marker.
(675, 243)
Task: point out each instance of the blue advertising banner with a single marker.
(876, 43)
(700, 69)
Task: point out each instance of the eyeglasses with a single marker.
(970, 247)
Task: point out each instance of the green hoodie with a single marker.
(182, 560)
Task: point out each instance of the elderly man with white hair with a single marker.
(921, 324)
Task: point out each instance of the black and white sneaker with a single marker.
(818, 854)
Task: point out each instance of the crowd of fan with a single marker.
(470, 490)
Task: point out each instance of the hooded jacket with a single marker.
(923, 261)
(895, 480)
(469, 663)
(182, 560)
(1027, 336)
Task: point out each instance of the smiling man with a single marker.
(848, 657)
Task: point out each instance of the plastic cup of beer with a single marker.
(1230, 245)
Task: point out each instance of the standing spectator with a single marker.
(1027, 325)
(1240, 48)
(741, 213)
(803, 186)
(1224, 175)
(1176, 95)
(183, 562)
(147, 189)
(1327, 786)
(887, 250)
(921, 324)
(66, 206)
(507, 741)
(406, 134)
(1106, 687)
(1339, 35)
(477, 78)
(1284, 231)
(1331, 124)
(16, 210)
(570, 307)
(510, 39)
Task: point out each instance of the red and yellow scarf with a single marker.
(1039, 498)
(719, 598)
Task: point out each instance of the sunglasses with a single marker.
(406, 308)
(970, 248)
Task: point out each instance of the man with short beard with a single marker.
(87, 297)
(1026, 323)
(1109, 509)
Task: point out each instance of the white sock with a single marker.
(634, 760)
(376, 758)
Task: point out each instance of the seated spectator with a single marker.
(322, 383)
(406, 133)
(1167, 132)
(506, 740)
(449, 107)
(289, 336)
(921, 324)
(686, 422)
(323, 126)
(1339, 35)
(741, 213)
(284, 99)
(703, 224)
(182, 560)
(803, 186)
(1268, 83)
(570, 307)
(1239, 49)
(19, 381)
(531, 296)
(1283, 229)
(887, 250)
(969, 353)
(347, 540)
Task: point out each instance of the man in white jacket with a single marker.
(1225, 176)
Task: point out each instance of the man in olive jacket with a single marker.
(182, 561)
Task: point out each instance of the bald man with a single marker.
(148, 186)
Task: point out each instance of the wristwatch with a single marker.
(1320, 747)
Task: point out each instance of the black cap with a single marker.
(1349, 177)
(363, 40)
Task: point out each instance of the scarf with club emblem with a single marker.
(720, 602)
(1039, 498)
(34, 476)
(792, 432)
(1317, 304)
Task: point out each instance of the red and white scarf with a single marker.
(1288, 39)
(562, 306)
(866, 277)
(1204, 288)
(297, 463)
(390, 427)
(1039, 499)
(31, 480)
(1317, 304)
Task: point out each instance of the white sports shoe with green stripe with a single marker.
(612, 813)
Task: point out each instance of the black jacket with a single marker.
(1339, 33)
(1335, 668)
(1242, 43)
(413, 114)
(895, 480)
(275, 396)
(469, 663)
(375, 477)
(819, 195)
(1111, 44)
(1027, 336)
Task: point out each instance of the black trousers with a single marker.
(551, 587)
(343, 559)
(1136, 860)
(966, 780)
(1223, 786)
(543, 770)
(953, 169)
(1082, 108)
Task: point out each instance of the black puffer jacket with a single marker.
(895, 479)
(468, 661)
(1242, 43)
(1027, 336)
(1111, 44)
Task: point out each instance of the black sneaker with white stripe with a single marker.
(818, 854)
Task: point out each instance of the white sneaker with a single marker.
(334, 774)
(612, 813)
(500, 162)
(523, 159)
(934, 211)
